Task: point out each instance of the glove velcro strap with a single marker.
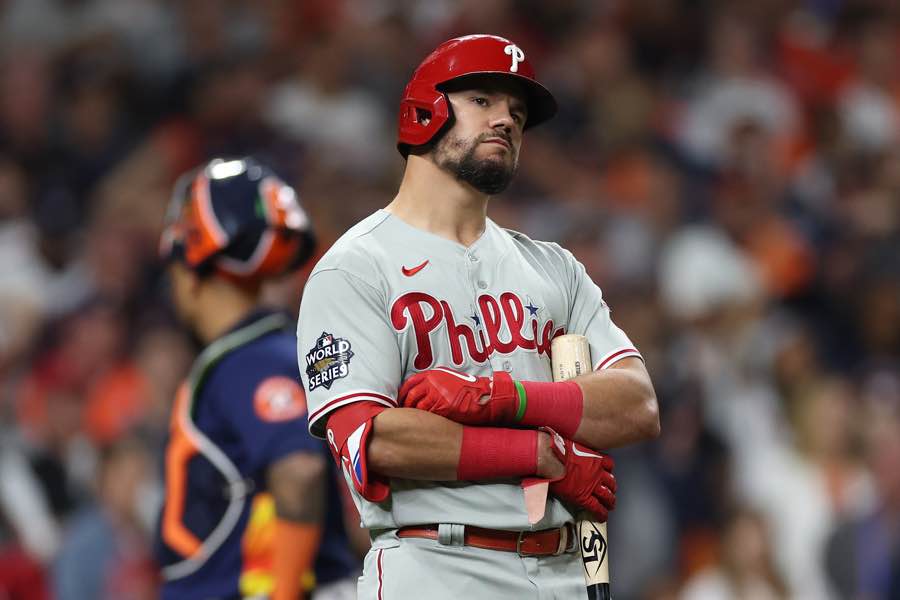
(509, 394)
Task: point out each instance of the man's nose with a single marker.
(502, 119)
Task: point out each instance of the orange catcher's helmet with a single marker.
(236, 218)
(455, 59)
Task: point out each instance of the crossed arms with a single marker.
(618, 407)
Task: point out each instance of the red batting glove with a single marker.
(461, 397)
(588, 482)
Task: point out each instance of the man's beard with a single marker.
(485, 175)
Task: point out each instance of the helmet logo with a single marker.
(517, 56)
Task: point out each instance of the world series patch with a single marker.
(328, 361)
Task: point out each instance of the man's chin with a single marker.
(491, 177)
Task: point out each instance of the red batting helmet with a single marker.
(452, 60)
(237, 218)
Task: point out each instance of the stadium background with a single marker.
(728, 171)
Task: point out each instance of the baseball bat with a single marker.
(571, 356)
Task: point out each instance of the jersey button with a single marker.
(482, 284)
(473, 258)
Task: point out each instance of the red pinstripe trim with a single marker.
(347, 399)
(616, 356)
(380, 570)
(361, 395)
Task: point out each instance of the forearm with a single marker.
(296, 483)
(415, 444)
(619, 407)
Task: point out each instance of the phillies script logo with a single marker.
(426, 314)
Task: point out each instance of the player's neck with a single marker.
(433, 200)
(221, 305)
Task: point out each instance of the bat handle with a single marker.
(599, 591)
(592, 539)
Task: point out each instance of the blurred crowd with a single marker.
(728, 171)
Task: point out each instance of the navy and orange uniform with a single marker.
(241, 410)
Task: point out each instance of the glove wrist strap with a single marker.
(559, 405)
(494, 453)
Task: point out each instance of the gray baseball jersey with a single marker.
(389, 300)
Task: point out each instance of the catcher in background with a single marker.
(252, 508)
(424, 338)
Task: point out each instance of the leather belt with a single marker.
(548, 542)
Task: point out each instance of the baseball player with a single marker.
(252, 508)
(424, 342)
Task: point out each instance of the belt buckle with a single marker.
(563, 544)
(567, 539)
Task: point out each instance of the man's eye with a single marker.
(517, 117)
(480, 101)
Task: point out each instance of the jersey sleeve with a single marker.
(264, 412)
(590, 316)
(347, 348)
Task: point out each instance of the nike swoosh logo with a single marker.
(332, 442)
(414, 270)
(585, 454)
(463, 376)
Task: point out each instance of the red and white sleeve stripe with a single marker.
(615, 356)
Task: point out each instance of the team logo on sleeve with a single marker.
(279, 399)
(328, 361)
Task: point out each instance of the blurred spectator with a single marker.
(702, 272)
(870, 103)
(26, 103)
(746, 569)
(694, 469)
(137, 394)
(322, 109)
(863, 553)
(22, 274)
(106, 553)
(736, 90)
(23, 504)
(821, 475)
(607, 106)
(51, 399)
(21, 577)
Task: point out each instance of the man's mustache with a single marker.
(495, 134)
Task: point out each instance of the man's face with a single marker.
(183, 283)
(482, 147)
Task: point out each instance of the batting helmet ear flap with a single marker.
(420, 97)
